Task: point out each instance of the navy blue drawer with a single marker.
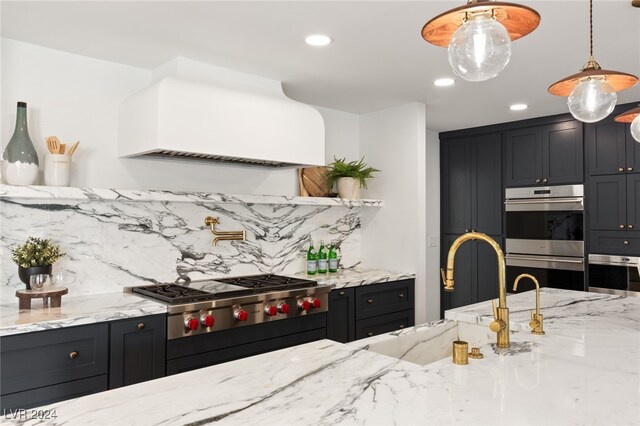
(381, 299)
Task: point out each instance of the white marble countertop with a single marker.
(585, 370)
(75, 310)
(357, 277)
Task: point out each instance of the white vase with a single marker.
(348, 188)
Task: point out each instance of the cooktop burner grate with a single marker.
(263, 283)
(174, 293)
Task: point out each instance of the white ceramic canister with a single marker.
(57, 170)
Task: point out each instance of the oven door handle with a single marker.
(544, 259)
(545, 201)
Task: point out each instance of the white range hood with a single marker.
(197, 111)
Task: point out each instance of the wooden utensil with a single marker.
(73, 148)
(62, 148)
(53, 143)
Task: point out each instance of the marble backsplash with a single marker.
(113, 241)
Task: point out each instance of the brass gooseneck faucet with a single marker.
(536, 319)
(500, 325)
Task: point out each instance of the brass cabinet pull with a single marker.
(621, 169)
(466, 230)
(401, 295)
(630, 226)
(621, 226)
(629, 169)
(73, 355)
(626, 243)
(401, 326)
(538, 180)
(341, 293)
(545, 180)
(140, 326)
(369, 301)
(370, 333)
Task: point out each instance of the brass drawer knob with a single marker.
(621, 226)
(621, 169)
(629, 169)
(630, 226)
(401, 326)
(626, 243)
(401, 295)
(538, 180)
(370, 333)
(545, 180)
(341, 293)
(141, 326)
(369, 301)
(73, 355)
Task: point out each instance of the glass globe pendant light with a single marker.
(592, 92)
(478, 35)
(480, 48)
(632, 116)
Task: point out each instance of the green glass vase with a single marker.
(20, 165)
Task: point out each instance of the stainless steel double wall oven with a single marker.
(545, 235)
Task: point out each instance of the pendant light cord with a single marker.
(591, 29)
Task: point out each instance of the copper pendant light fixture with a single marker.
(632, 116)
(592, 91)
(478, 35)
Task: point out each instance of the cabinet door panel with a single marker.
(524, 157)
(456, 185)
(341, 315)
(633, 202)
(607, 202)
(616, 243)
(605, 147)
(137, 350)
(54, 393)
(633, 151)
(487, 190)
(486, 267)
(563, 153)
(384, 324)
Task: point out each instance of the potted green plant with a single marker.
(349, 177)
(35, 256)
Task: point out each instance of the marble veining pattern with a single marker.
(358, 277)
(104, 194)
(115, 239)
(78, 310)
(569, 376)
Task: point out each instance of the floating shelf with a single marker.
(136, 195)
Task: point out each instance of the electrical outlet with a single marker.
(433, 241)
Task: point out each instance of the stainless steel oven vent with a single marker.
(165, 153)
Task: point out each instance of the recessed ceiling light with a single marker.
(444, 82)
(317, 40)
(518, 107)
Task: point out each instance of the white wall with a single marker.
(395, 236)
(77, 98)
(432, 195)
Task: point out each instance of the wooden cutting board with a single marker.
(313, 182)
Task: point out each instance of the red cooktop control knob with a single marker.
(283, 308)
(207, 320)
(304, 304)
(191, 324)
(271, 310)
(240, 314)
(315, 302)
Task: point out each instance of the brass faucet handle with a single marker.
(534, 322)
(444, 276)
(497, 325)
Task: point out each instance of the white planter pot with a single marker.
(348, 188)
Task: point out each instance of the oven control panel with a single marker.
(210, 320)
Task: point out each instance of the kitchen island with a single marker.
(585, 370)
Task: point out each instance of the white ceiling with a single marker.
(377, 60)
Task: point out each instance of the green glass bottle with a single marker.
(20, 157)
(312, 260)
(322, 259)
(333, 258)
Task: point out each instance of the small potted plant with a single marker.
(35, 256)
(349, 177)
